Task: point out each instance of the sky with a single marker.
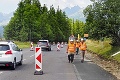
(7, 6)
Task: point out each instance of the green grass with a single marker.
(23, 44)
(103, 49)
(117, 57)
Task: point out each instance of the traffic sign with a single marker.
(86, 35)
(38, 61)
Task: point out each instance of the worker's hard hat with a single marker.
(71, 40)
(82, 39)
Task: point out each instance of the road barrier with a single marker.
(53, 43)
(31, 46)
(61, 44)
(58, 46)
(38, 61)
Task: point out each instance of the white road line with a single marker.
(1, 72)
(24, 59)
(31, 55)
(77, 73)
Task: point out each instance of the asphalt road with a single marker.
(55, 67)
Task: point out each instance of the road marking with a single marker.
(24, 59)
(77, 73)
(31, 55)
(1, 72)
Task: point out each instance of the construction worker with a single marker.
(71, 51)
(71, 37)
(77, 46)
(83, 47)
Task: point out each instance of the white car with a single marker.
(10, 54)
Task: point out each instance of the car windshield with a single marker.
(42, 43)
(4, 47)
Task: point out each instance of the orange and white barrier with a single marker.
(58, 47)
(38, 61)
(53, 43)
(65, 43)
(62, 45)
(31, 46)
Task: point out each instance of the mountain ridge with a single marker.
(5, 18)
(71, 10)
(74, 13)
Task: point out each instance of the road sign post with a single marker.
(38, 61)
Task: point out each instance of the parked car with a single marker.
(44, 44)
(10, 54)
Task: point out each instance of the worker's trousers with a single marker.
(70, 57)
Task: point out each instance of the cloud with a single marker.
(66, 3)
(7, 6)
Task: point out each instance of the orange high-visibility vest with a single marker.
(71, 48)
(83, 46)
(77, 45)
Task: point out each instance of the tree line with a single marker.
(103, 20)
(32, 22)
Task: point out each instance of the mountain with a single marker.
(75, 13)
(5, 18)
(1, 31)
(72, 10)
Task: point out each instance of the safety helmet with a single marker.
(82, 39)
(71, 40)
